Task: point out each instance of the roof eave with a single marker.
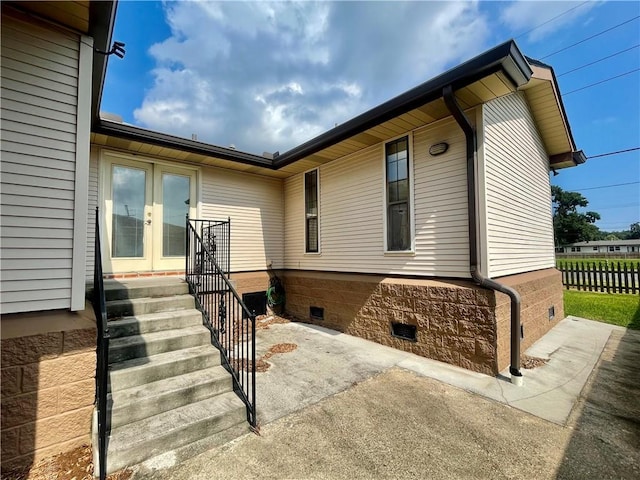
(506, 57)
(142, 135)
(102, 17)
(567, 160)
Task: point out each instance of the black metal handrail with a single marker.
(231, 323)
(102, 351)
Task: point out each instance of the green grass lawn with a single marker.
(623, 310)
(612, 261)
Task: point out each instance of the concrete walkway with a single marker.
(341, 407)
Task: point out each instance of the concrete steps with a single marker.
(168, 393)
(154, 322)
(139, 371)
(150, 399)
(145, 345)
(152, 436)
(143, 305)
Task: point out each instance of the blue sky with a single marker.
(267, 76)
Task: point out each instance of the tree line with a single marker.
(571, 226)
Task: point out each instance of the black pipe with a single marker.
(476, 274)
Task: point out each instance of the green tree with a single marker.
(569, 225)
(634, 230)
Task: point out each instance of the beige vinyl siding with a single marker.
(39, 98)
(254, 204)
(91, 214)
(518, 194)
(352, 209)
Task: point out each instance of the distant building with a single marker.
(601, 246)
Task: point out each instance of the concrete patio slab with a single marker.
(338, 407)
(327, 362)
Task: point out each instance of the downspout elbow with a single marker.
(476, 274)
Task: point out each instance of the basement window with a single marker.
(404, 331)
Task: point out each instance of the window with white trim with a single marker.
(311, 211)
(398, 195)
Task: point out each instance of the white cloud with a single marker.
(522, 16)
(269, 76)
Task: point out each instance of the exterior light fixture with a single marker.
(438, 149)
(117, 48)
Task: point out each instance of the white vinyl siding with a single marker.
(39, 99)
(518, 193)
(91, 214)
(352, 195)
(254, 204)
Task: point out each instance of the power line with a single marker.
(630, 205)
(598, 61)
(589, 38)
(614, 153)
(551, 19)
(601, 81)
(603, 186)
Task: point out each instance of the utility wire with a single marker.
(631, 205)
(614, 153)
(601, 81)
(589, 38)
(598, 61)
(551, 20)
(603, 186)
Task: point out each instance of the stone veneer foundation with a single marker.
(456, 322)
(539, 291)
(249, 282)
(48, 385)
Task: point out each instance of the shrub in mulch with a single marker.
(76, 464)
(529, 363)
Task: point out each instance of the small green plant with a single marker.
(616, 309)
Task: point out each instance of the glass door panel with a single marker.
(127, 227)
(174, 196)
(175, 207)
(128, 196)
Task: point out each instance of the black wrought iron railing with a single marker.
(231, 324)
(102, 351)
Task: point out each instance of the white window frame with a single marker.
(411, 250)
(304, 209)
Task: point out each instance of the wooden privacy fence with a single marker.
(607, 277)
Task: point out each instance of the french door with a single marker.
(145, 209)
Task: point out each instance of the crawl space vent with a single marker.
(404, 331)
(316, 313)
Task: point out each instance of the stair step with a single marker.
(139, 288)
(179, 455)
(144, 401)
(141, 306)
(138, 441)
(139, 371)
(148, 344)
(154, 322)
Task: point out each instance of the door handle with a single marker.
(148, 222)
